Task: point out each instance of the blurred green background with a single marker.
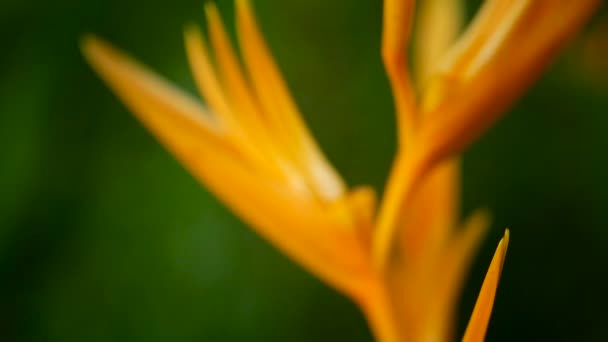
(104, 237)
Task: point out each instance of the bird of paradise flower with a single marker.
(403, 262)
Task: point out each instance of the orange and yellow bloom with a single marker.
(402, 261)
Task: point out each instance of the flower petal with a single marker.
(425, 288)
(497, 70)
(450, 274)
(155, 102)
(206, 78)
(362, 203)
(322, 243)
(396, 31)
(233, 78)
(248, 124)
(427, 222)
(281, 112)
(438, 23)
(397, 191)
(478, 33)
(478, 323)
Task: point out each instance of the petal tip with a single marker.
(503, 245)
(191, 28)
(89, 43)
(211, 10)
(478, 324)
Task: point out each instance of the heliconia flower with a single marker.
(404, 262)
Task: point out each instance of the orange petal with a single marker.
(408, 167)
(396, 191)
(450, 273)
(294, 224)
(240, 94)
(247, 135)
(478, 324)
(432, 213)
(281, 112)
(404, 180)
(425, 288)
(478, 33)
(438, 23)
(206, 78)
(396, 29)
(501, 67)
(259, 140)
(362, 203)
(155, 102)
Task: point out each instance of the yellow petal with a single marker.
(408, 167)
(425, 289)
(362, 203)
(281, 112)
(478, 324)
(240, 93)
(501, 67)
(315, 240)
(404, 180)
(249, 118)
(438, 23)
(432, 212)
(478, 33)
(377, 306)
(206, 78)
(396, 191)
(396, 29)
(236, 106)
(501, 31)
(294, 224)
(450, 273)
(246, 134)
(155, 102)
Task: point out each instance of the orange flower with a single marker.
(404, 263)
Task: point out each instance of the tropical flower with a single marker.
(404, 262)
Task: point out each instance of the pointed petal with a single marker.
(181, 124)
(211, 90)
(232, 74)
(503, 65)
(206, 78)
(450, 274)
(248, 119)
(280, 110)
(174, 117)
(257, 139)
(155, 102)
(294, 224)
(396, 29)
(425, 288)
(478, 324)
(479, 32)
(438, 23)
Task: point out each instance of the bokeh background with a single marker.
(104, 237)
